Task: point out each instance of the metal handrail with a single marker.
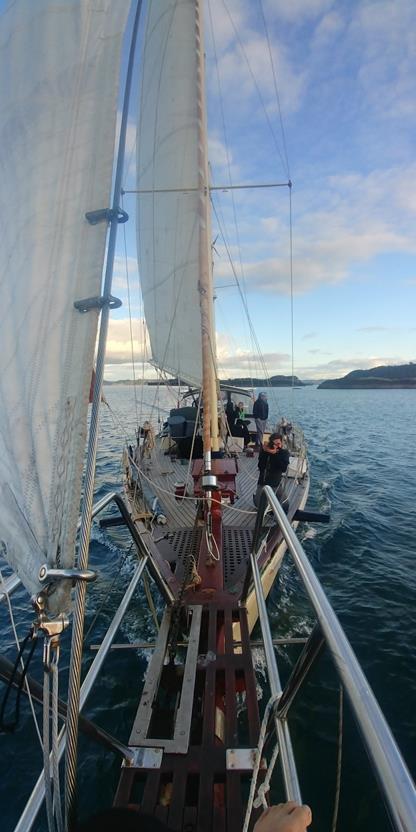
(392, 772)
(36, 798)
(288, 765)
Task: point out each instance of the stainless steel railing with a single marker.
(394, 778)
(35, 800)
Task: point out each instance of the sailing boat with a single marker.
(215, 562)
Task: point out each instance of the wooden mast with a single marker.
(209, 374)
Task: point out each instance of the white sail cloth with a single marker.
(59, 71)
(167, 164)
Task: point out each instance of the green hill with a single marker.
(273, 381)
(402, 375)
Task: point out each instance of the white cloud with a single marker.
(382, 32)
(374, 329)
(246, 364)
(341, 366)
(221, 161)
(246, 79)
(330, 27)
(125, 268)
(241, 66)
(121, 335)
(297, 11)
(359, 217)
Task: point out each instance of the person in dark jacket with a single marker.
(260, 413)
(273, 462)
(230, 412)
(241, 429)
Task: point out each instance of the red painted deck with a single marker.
(196, 791)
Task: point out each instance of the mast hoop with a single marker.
(106, 215)
(97, 302)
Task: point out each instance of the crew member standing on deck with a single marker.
(230, 412)
(273, 462)
(260, 413)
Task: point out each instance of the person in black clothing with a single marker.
(273, 462)
(260, 413)
(240, 429)
(230, 412)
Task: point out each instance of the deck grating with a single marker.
(203, 794)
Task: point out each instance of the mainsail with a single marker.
(59, 63)
(168, 233)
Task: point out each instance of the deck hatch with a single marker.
(186, 543)
(141, 734)
(236, 548)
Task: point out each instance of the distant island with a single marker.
(400, 376)
(274, 381)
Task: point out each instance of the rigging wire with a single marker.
(57, 804)
(46, 751)
(291, 299)
(224, 129)
(130, 315)
(10, 727)
(276, 89)
(256, 85)
(16, 638)
(283, 156)
(243, 298)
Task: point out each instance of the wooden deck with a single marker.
(179, 541)
(198, 780)
(197, 721)
(162, 474)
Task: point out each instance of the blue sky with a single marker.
(345, 73)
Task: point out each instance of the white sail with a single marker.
(167, 165)
(59, 65)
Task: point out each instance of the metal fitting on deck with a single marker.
(209, 482)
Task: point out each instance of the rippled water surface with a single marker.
(362, 455)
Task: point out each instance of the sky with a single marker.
(344, 72)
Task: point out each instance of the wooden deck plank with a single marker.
(176, 809)
(163, 474)
(230, 686)
(151, 792)
(210, 673)
(250, 682)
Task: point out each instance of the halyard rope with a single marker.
(57, 806)
(252, 802)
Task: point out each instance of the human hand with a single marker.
(285, 817)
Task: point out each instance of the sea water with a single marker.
(362, 452)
